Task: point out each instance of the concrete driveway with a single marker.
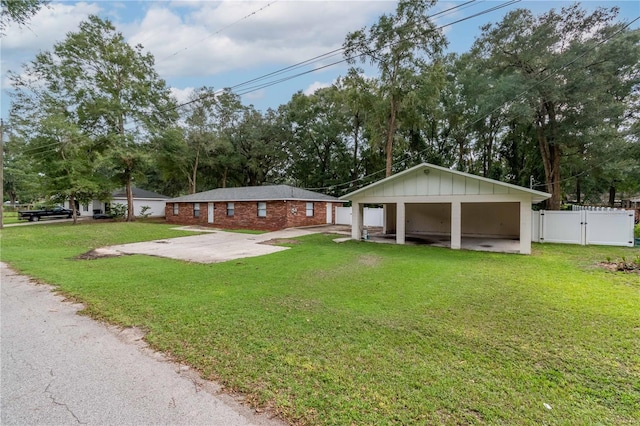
(213, 247)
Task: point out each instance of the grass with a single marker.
(9, 218)
(360, 333)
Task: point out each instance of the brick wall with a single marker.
(280, 215)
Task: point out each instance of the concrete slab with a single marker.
(218, 246)
(498, 245)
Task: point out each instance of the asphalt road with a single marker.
(60, 368)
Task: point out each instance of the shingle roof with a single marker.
(255, 193)
(138, 193)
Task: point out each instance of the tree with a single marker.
(358, 97)
(400, 46)
(574, 71)
(317, 147)
(18, 11)
(45, 117)
(107, 90)
(21, 182)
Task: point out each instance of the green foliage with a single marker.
(144, 212)
(72, 106)
(636, 230)
(118, 211)
(361, 333)
(18, 11)
(569, 75)
(404, 47)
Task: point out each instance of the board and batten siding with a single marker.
(435, 183)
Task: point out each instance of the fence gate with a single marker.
(610, 228)
(561, 227)
(613, 228)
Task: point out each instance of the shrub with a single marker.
(144, 212)
(118, 211)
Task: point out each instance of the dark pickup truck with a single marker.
(36, 215)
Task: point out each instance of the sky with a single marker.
(229, 43)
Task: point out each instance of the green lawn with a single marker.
(363, 333)
(9, 218)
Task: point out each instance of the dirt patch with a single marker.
(369, 260)
(278, 241)
(97, 254)
(627, 267)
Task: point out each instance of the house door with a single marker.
(210, 213)
(329, 213)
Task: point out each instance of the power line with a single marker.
(333, 53)
(406, 157)
(220, 30)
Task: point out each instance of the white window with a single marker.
(175, 209)
(85, 207)
(262, 209)
(230, 209)
(309, 209)
(196, 209)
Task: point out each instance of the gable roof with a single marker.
(138, 193)
(442, 181)
(255, 193)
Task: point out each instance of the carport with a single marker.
(457, 209)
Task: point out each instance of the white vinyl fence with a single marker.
(584, 227)
(372, 216)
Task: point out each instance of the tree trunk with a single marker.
(391, 131)
(612, 195)
(356, 130)
(550, 151)
(194, 173)
(130, 216)
(72, 201)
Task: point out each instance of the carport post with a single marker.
(400, 223)
(456, 225)
(525, 227)
(356, 220)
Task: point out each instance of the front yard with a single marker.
(362, 333)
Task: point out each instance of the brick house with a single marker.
(266, 208)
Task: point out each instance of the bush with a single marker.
(636, 230)
(118, 211)
(144, 212)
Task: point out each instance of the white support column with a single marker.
(356, 220)
(400, 223)
(384, 219)
(456, 225)
(525, 227)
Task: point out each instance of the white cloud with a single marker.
(311, 89)
(48, 26)
(256, 94)
(223, 36)
(182, 95)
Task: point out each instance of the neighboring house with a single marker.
(141, 198)
(433, 200)
(266, 208)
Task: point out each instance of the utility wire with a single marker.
(332, 53)
(515, 98)
(325, 55)
(220, 30)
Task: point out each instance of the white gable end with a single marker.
(437, 183)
